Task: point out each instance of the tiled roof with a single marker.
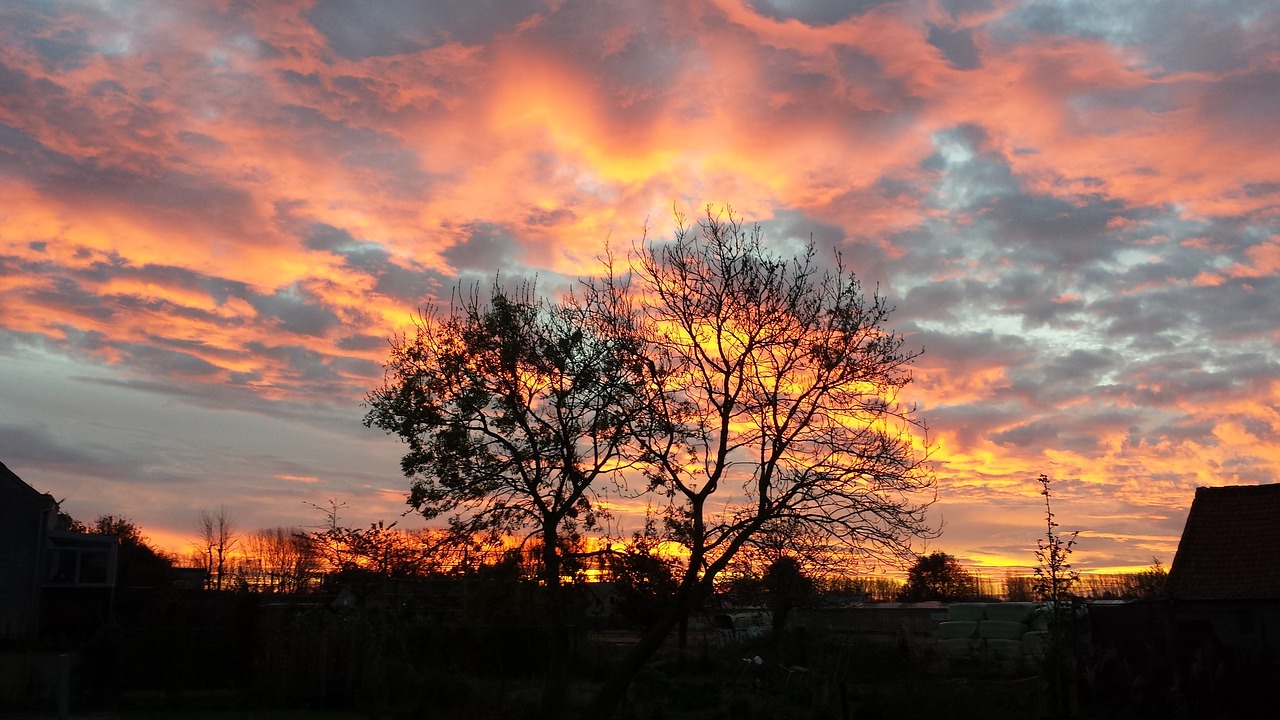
(1230, 547)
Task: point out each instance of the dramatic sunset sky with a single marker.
(213, 214)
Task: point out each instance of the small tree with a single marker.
(939, 576)
(1054, 585)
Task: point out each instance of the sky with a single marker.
(214, 214)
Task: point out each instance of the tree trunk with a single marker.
(610, 695)
(554, 683)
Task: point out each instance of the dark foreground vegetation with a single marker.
(367, 646)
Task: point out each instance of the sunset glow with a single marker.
(213, 215)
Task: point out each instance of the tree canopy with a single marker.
(739, 390)
(939, 576)
(773, 388)
(515, 409)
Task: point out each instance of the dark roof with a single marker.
(7, 475)
(1230, 547)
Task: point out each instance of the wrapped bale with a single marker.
(1040, 617)
(1005, 649)
(966, 611)
(1036, 643)
(957, 648)
(957, 629)
(1001, 630)
(1019, 612)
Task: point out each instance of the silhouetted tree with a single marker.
(513, 408)
(384, 550)
(643, 577)
(939, 576)
(218, 537)
(285, 557)
(138, 564)
(1149, 584)
(380, 550)
(774, 392)
(785, 587)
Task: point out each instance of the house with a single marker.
(1224, 584)
(1228, 550)
(1223, 590)
(47, 573)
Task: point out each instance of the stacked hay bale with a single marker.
(958, 634)
(1035, 643)
(989, 630)
(1003, 629)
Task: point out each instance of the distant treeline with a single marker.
(297, 560)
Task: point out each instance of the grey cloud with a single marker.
(166, 362)
(1050, 379)
(488, 247)
(798, 226)
(1239, 310)
(1226, 314)
(35, 445)
(998, 219)
(394, 27)
(1082, 367)
(814, 12)
(297, 311)
(970, 352)
(66, 49)
(1175, 430)
(866, 70)
(1248, 104)
(392, 279)
(201, 141)
(1178, 36)
(68, 291)
(957, 47)
(410, 285)
(1263, 189)
(1043, 435)
(638, 71)
(165, 191)
(972, 424)
(362, 343)
(539, 217)
(959, 8)
(1193, 375)
(374, 99)
(292, 309)
(106, 87)
(293, 77)
(969, 175)
(1053, 231)
(322, 236)
(67, 295)
(398, 169)
(317, 374)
